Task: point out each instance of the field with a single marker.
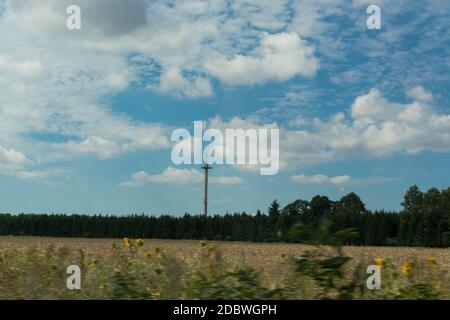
(35, 268)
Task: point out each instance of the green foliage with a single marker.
(424, 221)
(326, 270)
(300, 233)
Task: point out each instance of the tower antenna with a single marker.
(206, 167)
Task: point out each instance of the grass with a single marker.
(35, 268)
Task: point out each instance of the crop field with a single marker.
(35, 268)
(265, 257)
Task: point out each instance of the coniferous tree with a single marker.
(431, 217)
(412, 205)
(424, 221)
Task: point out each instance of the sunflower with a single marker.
(92, 264)
(139, 243)
(407, 268)
(432, 261)
(379, 262)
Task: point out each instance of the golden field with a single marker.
(272, 263)
(266, 256)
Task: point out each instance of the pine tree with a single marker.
(413, 210)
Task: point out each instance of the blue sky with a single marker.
(86, 115)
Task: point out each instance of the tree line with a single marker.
(423, 221)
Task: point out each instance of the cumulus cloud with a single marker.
(373, 106)
(319, 179)
(173, 82)
(373, 127)
(279, 57)
(56, 82)
(376, 127)
(53, 87)
(103, 148)
(13, 160)
(177, 176)
(420, 94)
(15, 163)
(123, 137)
(238, 43)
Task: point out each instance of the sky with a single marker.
(86, 116)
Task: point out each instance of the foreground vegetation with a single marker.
(137, 269)
(424, 221)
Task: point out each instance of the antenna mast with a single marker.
(206, 167)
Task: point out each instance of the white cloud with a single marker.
(26, 68)
(279, 57)
(377, 127)
(103, 148)
(173, 175)
(56, 82)
(15, 163)
(12, 160)
(420, 94)
(338, 180)
(194, 37)
(177, 176)
(374, 106)
(119, 81)
(373, 127)
(174, 83)
(341, 181)
(123, 137)
(35, 174)
(319, 179)
(226, 180)
(53, 86)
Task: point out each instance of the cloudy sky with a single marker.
(86, 115)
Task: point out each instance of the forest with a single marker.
(423, 221)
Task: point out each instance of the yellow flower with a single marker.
(139, 243)
(92, 264)
(126, 242)
(407, 268)
(432, 261)
(379, 262)
(147, 254)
